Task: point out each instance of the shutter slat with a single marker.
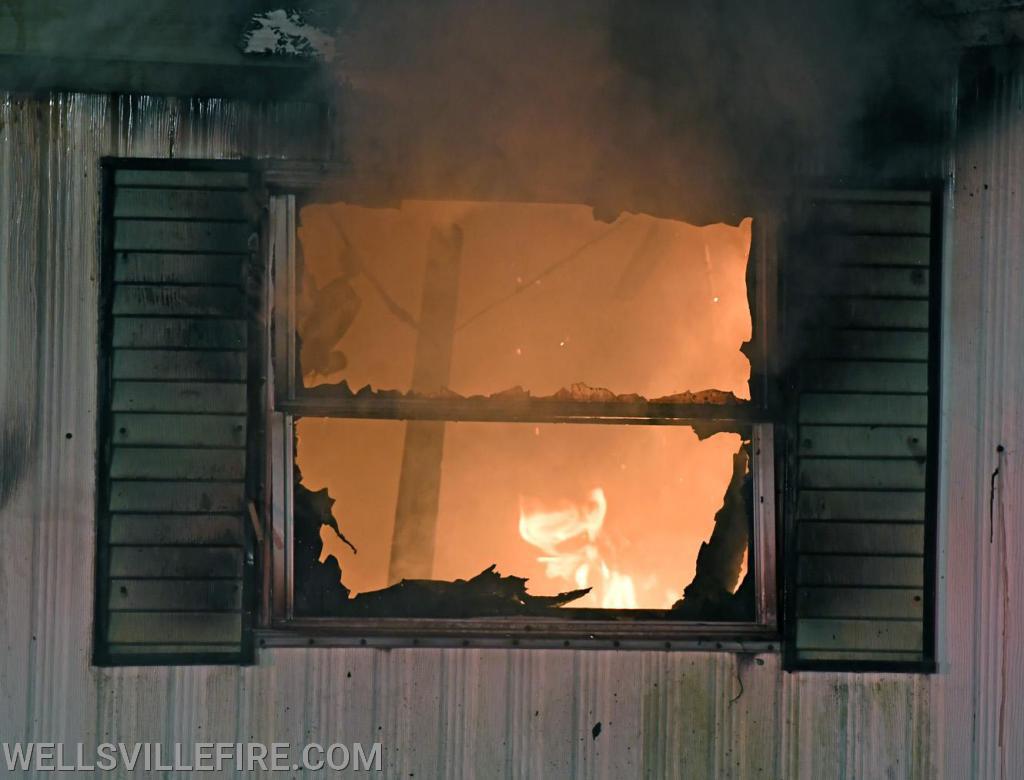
(859, 573)
(183, 562)
(182, 204)
(874, 345)
(170, 268)
(873, 218)
(179, 333)
(908, 282)
(193, 651)
(197, 397)
(865, 376)
(907, 538)
(906, 506)
(156, 300)
(855, 473)
(851, 408)
(876, 250)
(143, 496)
(180, 430)
(217, 595)
(861, 570)
(859, 634)
(907, 657)
(871, 312)
(177, 464)
(886, 603)
(169, 178)
(179, 627)
(177, 365)
(180, 236)
(862, 441)
(180, 529)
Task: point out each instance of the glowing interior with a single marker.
(545, 297)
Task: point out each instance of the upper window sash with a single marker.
(291, 398)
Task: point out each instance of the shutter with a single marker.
(861, 324)
(179, 429)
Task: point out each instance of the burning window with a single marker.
(504, 409)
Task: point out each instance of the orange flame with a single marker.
(557, 533)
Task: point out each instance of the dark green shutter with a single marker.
(861, 321)
(178, 438)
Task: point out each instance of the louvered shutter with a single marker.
(861, 321)
(178, 425)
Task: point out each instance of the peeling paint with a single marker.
(287, 33)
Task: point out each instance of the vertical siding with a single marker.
(983, 410)
(485, 713)
(20, 206)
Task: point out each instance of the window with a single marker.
(465, 422)
(521, 418)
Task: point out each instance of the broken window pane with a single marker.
(630, 515)
(479, 298)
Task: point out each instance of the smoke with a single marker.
(682, 109)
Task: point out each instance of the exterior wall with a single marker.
(489, 713)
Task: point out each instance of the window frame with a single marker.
(280, 626)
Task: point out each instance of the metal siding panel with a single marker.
(76, 133)
(21, 158)
(982, 545)
(783, 725)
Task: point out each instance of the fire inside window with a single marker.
(509, 409)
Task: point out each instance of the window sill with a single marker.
(516, 632)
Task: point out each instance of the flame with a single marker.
(557, 533)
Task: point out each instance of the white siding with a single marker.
(489, 713)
